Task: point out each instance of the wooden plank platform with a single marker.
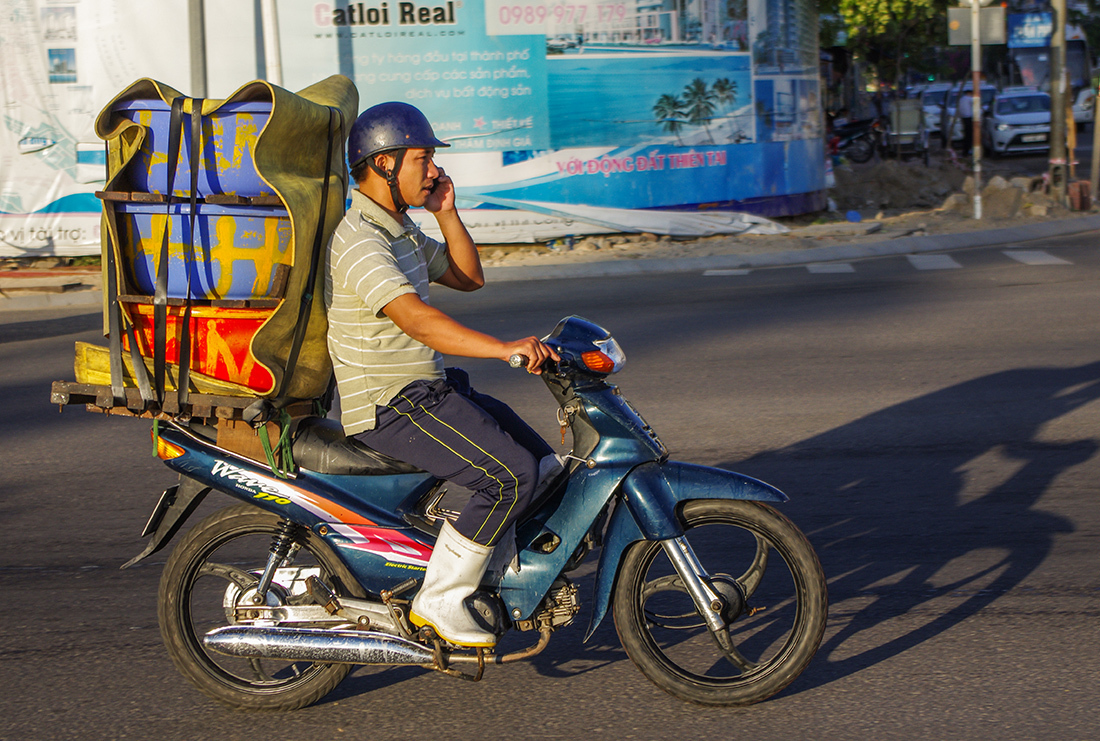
(208, 406)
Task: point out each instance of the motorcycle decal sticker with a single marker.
(279, 492)
(362, 534)
(392, 545)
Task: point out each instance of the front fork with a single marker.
(696, 580)
(716, 610)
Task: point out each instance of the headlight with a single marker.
(1003, 127)
(608, 359)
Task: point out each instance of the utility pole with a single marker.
(1057, 171)
(1094, 180)
(272, 52)
(976, 100)
(197, 30)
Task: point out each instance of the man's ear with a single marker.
(384, 161)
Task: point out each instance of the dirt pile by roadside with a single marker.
(891, 186)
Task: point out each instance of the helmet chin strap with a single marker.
(399, 204)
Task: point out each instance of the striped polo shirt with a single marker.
(372, 260)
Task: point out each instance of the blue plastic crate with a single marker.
(239, 252)
(229, 137)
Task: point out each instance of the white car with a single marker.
(932, 99)
(1018, 121)
(987, 92)
(1084, 106)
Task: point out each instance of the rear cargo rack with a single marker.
(207, 406)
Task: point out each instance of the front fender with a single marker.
(649, 510)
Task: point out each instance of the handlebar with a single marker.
(518, 361)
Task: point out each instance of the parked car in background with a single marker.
(932, 99)
(1018, 121)
(1084, 107)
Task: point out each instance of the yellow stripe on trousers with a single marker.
(472, 464)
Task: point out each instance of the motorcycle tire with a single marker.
(201, 589)
(776, 607)
(860, 150)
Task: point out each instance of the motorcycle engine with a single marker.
(558, 608)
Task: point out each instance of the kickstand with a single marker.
(440, 662)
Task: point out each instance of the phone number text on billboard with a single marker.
(507, 18)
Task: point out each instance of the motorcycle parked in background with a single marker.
(717, 597)
(857, 140)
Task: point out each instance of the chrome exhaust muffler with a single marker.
(313, 644)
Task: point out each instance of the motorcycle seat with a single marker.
(319, 445)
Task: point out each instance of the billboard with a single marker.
(564, 116)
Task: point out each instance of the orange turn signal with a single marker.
(598, 362)
(166, 450)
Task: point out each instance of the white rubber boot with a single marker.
(454, 573)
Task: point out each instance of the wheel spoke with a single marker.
(661, 621)
(730, 651)
(670, 583)
(731, 654)
(754, 574)
(258, 672)
(241, 578)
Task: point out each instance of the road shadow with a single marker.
(50, 326)
(901, 516)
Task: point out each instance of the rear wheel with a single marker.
(206, 584)
(860, 150)
(776, 603)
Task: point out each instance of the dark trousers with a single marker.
(968, 135)
(474, 440)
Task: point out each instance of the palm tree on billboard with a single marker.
(725, 91)
(669, 111)
(700, 103)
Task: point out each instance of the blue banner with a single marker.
(1029, 30)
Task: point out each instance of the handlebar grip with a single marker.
(518, 361)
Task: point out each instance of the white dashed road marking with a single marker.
(933, 262)
(1036, 257)
(919, 262)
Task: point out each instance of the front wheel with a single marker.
(208, 582)
(776, 604)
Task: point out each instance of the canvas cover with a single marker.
(287, 150)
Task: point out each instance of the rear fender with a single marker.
(176, 504)
(648, 509)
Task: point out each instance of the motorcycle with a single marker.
(717, 597)
(857, 140)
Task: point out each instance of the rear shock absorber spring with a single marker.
(282, 541)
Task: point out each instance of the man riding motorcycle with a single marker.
(386, 342)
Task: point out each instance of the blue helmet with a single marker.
(389, 126)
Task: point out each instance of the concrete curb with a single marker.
(38, 301)
(625, 267)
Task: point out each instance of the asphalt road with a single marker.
(934, 421)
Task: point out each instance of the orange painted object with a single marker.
(220, 342)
